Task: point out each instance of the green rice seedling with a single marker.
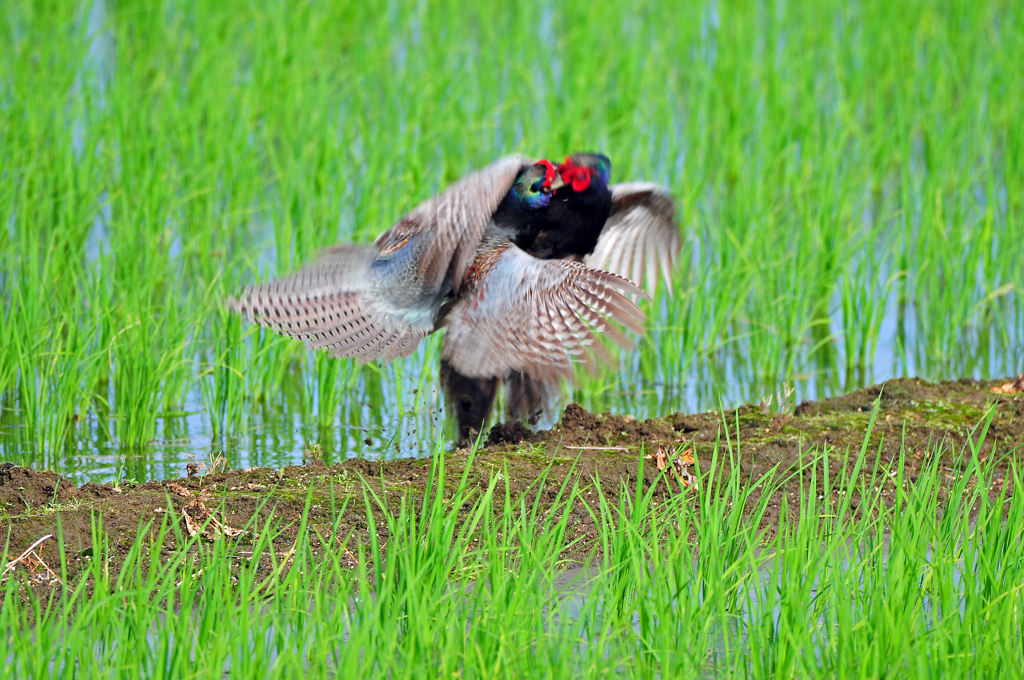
(333, 378)
(224, 388)
(864, 298)
(461, 581)
(48, 390)
(848, 180)
(139, 376)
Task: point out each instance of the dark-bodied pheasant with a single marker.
(627, 229)
(484, 259)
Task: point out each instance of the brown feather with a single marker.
(322, 304)
(456, 219)
(539, 317)
(640, 236)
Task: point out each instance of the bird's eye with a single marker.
(538, 187)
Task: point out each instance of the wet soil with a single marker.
(919, 416)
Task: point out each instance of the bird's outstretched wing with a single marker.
(452, 223)
(518, 313)
(380, 301)
(640, 236)
(323, 304)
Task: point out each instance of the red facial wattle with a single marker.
(549, 172)
(576, 176)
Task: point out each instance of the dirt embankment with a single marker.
(583, 445)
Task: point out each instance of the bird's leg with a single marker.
(470, 399)
(526, 398)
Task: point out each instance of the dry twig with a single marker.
(32, 561)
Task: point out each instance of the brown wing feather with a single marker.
(322, 304)
(640, 236)
(539, 317)
(456, 218)
(336, 305)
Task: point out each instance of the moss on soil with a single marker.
(913, 412)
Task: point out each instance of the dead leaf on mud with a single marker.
(679, 464)
(1016, 386)
(197, 467)
(179, 490)
(190, 524)
(313, 455)
(196, 514)
(661, 460)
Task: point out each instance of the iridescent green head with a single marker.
(533, 187)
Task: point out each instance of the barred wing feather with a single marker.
(454, 220)
(539, 317)
(324, 305)
(380, 301)
(640, 236)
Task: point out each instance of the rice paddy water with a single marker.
(849, 178)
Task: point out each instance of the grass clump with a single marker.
(467, 583)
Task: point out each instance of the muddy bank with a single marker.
(582, 447)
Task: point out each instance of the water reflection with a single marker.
(751, 348)
(399, 413)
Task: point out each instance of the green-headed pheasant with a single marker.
(485, 259)
(626, 229)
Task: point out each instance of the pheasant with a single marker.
(626, 229)
(453, 261)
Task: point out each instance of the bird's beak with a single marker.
(557, 182)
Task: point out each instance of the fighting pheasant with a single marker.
(627, 229)
(495, 259)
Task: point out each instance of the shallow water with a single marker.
(572, 611)
(371, 422)
(387, 417)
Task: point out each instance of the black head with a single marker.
(585, 173)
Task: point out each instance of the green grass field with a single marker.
(471, 585)
(850, 182)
